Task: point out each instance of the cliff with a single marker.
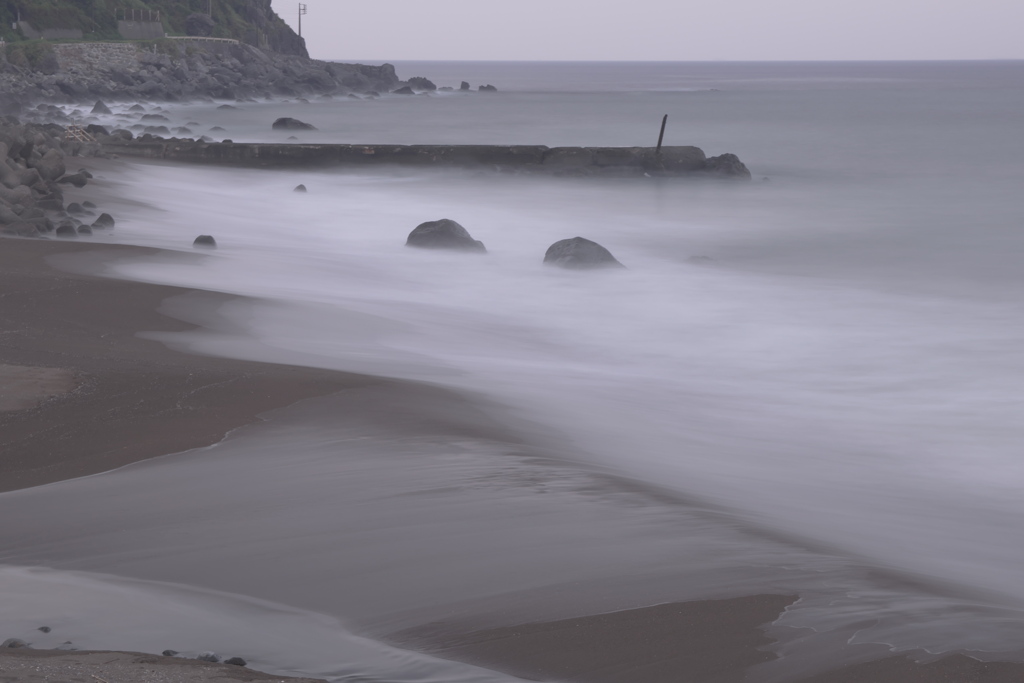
(253, 22)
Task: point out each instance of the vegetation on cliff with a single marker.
(250, 21)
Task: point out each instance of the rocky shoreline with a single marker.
(33, 175)
(175, 70)
(22, 664)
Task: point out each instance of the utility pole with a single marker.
(302, 10)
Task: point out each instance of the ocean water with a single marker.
(825, 402)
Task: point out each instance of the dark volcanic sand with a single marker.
(131, 399)
(51, 666)
(80, 393)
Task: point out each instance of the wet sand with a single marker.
(83, 394)
(102, 396)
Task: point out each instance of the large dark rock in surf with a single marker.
(487, 88)
(421, 83)
(580, 253)
(105, 221)
(14, 643)
(443, 234)
(464, 86)
(404, 90)
(287, 123)
(205, 242)
(236, 661)
(728, 165)
(101, 108)
(300, 188)
(67, 232)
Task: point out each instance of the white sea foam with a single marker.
(845, 371)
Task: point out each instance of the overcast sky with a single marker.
(383, 30)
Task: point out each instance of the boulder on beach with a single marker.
(299, 188)
(205, 242)
(21, 229)
(287, 123)
(67, 231)
(199, 24)
(443, 234)
(50, 166)
(76, 179)
(580, 253)
(236, 661)
(105, 221)
(101, 108)
(14, 643)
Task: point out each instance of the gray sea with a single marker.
(809, 383)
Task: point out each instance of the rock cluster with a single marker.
(576, 253)
(213, 657)
(174, 70)
(33, 173)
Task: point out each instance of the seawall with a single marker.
(509, 158)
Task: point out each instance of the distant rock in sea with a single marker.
(421, 83)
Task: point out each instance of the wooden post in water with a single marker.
(661, 135)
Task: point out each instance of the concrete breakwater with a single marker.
(583, 161)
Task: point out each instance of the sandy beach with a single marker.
(83, 394)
